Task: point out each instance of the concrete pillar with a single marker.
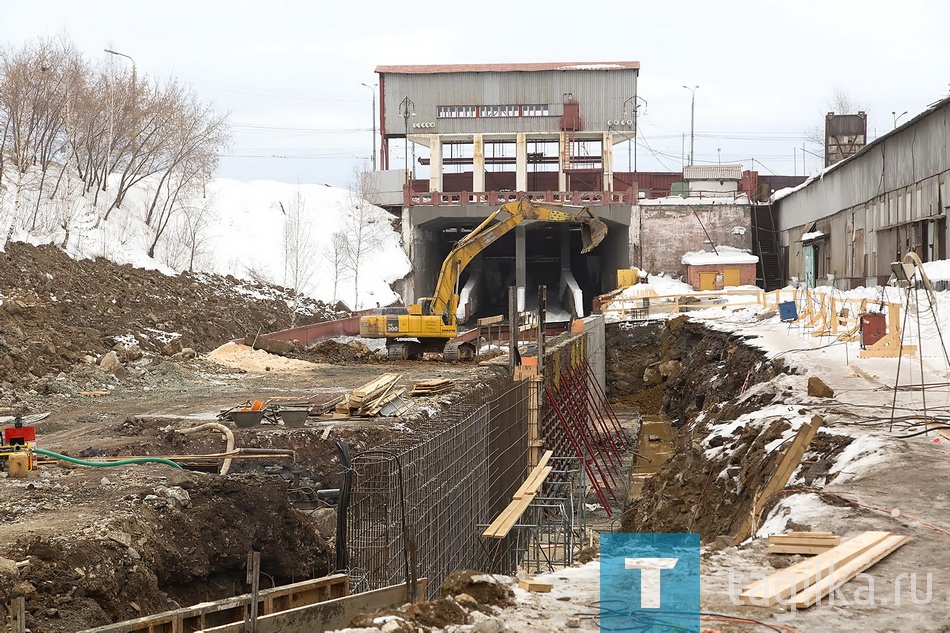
(521, 162)
(435, 162)
(408, 242)
(520, 264)
(478, 163)
(564, 153)
(608, 152)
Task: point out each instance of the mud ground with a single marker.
(88, 546)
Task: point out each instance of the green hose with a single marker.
(122, 462)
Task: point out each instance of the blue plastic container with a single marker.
(788, 311)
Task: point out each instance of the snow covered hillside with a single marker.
(327, 243)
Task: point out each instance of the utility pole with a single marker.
(636, 113)
(407, 109)
(373, 90)
(105, 180)
(692, 120)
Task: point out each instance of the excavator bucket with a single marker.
(593, 233)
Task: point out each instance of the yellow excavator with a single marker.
(432, 321)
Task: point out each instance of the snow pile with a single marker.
(721, 255)
(709, 200)
(864, 454)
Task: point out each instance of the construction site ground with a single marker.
(89, 546)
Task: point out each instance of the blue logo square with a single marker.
(649, 582)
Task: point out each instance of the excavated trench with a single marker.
(697, 378)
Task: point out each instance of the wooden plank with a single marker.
(533, 475)
(807, 550)
(294, 595)
(782, 539)
(538, 586)
(942, 432)
(329, 615)
(492, 320)
(847, 571)
(501, 526)
(791, 580)
(364, 393)
(507, 519)
(382, 401)
(806, 534)
(789, 461)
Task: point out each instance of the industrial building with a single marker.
(846, 225)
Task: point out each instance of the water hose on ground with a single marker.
(216, 426)
(121, 462)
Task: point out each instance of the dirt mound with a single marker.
(165, 545)
(487, 589)
(56, 312)
(249, 359)
(339, 353)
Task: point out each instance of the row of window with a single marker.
(486, 111)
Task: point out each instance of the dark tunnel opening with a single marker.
(483, 285)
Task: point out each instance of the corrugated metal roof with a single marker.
(506, 68)
(712, 172)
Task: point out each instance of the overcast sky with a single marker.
(289, 71)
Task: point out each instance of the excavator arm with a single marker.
(432, 321)
(442, 300)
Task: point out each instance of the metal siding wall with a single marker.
(600, 93)
(912, 155)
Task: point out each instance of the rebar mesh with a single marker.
(452, 481)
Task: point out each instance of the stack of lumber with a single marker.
(430, 387)
(803, 543)
(805, 583)
(368, 399)
(520, 501)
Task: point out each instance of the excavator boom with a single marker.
(593, 231)
(432, 320)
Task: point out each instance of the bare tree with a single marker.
(189, 244)
(365, 228)
(335, 254)
(299, 264)
(841, 102)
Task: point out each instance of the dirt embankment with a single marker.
(56, 312)
(695, 376)
(164, 539)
